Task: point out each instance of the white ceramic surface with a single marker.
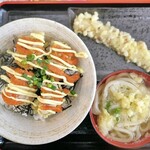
(27, 130)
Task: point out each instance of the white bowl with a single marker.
(26, 130)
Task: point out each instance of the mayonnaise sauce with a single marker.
(54, 91)
(19, 99)
(52, 95)
(23, 87)
(49, 101)
(16, 90)
(80, 54)
(40, 36)
(30, 47)
(61, 44)
(30, 42)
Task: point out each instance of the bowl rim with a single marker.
(131, 145)
(94, 79)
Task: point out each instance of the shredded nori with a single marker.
(23, 110)
(64, 108)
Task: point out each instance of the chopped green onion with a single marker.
(117, 119)
(47, 61)
(34, 78)
(30, 84)
(116, 111)
(72, 92)
(30, 81)
(45, 67)
(51, 86)
(52, 79)
(30, 57)
(108, 105)
(37, 74)
(24, 62)
(39, 79)
(43, 72)
(39, 84)
(44, 77)
(35, 82)
(39, 61)
(24, 75)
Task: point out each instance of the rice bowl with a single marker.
(25, 130)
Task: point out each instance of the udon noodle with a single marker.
(122, 105)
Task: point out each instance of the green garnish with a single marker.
(116, 111)
(26, 77)
(30, 81)
(108, 105)
(37, 74)
(117, 119)
(39, 61)
(24, 62)
(35, 82)
(72, 92)
(52, 79)
(30, 57)
(45, 67)
(51, 86)
(44, 77)
(31, 85)
(47, 61)
(39, 84)
(43, 72)
(34, 78)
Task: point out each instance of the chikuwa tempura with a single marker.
(44, 77)
(122, 106)
(122, 42)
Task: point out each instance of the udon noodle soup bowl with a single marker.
(96, 113)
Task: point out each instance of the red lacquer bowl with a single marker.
(141, 142)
